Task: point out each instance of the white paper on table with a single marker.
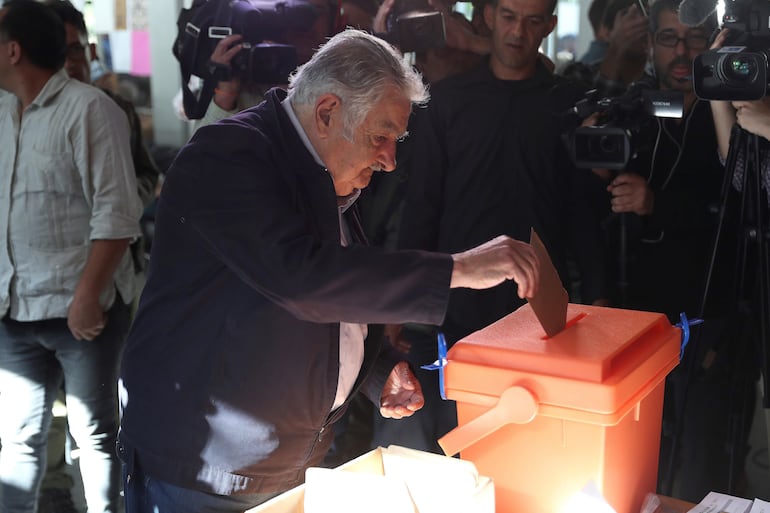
(349, 492)
(439, 484)
(722, 503)
(760, 506)
(402, 481)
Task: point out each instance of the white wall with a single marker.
(165, 81)
(586, 33)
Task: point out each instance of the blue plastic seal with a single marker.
(439, 364)
(684, 324)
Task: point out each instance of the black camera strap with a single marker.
(194, 25)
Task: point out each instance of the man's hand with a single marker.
(402, 395)
(630, 30)
(227, 91)
(493, 262)
(627, 46)
(754, 116)
(85, 317)
(459, 33)
(379, 23)
(630, 193)
(719, 41)
(226, 49)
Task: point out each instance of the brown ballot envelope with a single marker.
(550, 301)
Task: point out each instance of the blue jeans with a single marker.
(145, 494)
(34, 358)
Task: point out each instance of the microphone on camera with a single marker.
(695, 12)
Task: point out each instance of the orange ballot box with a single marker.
(543, 417)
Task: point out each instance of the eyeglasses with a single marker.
(691, 41)
(75, 51)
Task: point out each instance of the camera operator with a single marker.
(463, 42)
(626, 50)
(460, 50)
(667, 197)
(628, 45)
(751, 116)
(234, 93)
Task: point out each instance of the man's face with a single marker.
(518, 27)
(77, 64)
(675, 46)
(352, 163)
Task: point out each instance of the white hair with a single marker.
(359, 68)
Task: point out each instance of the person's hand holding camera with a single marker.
(631, 193)
(379, 25)
(460, 35)
(754, 116)
(227, 91)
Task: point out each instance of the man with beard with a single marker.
(668, 197)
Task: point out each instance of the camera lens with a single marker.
(609, 144)
(739, 68)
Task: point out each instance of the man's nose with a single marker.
(681, 47)
(387, 156)
(518, 25)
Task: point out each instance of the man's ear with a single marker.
(489, 15)
(14, 52)
(92, 55)
(328, 109)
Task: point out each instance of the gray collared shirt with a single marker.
(66, 178)
(351, 335)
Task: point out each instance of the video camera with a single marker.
(612, 143)
(739, 70)
(206, 22)
(415, 26)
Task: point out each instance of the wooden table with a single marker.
(675, 505)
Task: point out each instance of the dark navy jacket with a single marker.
(231, 366)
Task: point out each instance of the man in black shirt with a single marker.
(486, 158)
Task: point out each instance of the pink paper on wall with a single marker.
(140, 53)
